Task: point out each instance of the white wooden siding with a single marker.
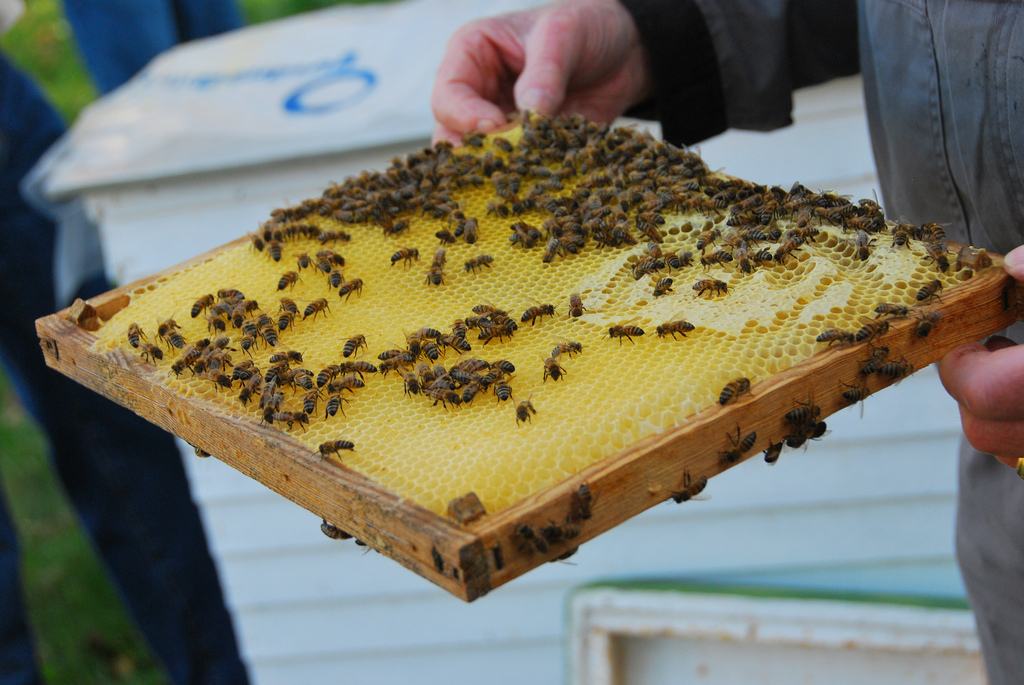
(870, 507)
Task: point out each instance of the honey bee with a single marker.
(530, 540)
(553, 248)
(901, 235)
(411, 383)
(151, 351)
(786, 248)
(553, 369)
(479, 261)
(711, 285)
(334, 447)
(331, 530)
(932, 233)
(834, 335)
(247, 342)
(445, 237)
(230, 294)
(929, 290)
(335, 403)
(435, 275)
(537, 312)
(673, 327)
(285, 321)
(498, 208)
(740, 446)
(470, 390)
(897, 311)
(470, 230)
(621, 331)
(502, 144)
(351, 383)
(473, 138)
(707, 238)
(505, 366)
(168, 331)
(864, 244)
(314, 308)
(288, 280)
(805, 414)
(576, 307)
(328, 259)
(274, 249)
(681, 259)
(937, 253)
(405, 254)
(215, 323)
(733, 390)
(896, 370)
(354, 286)
(717, 257)
(352, 345)
(569, 347)
(855, 393)
(581, 504)
(871, 331)
(502, 390)
(691, 488)
(771, 455)
(523, 411)
(134, 334)
(524, 234)
(499, 331)
(458, 342)
(927, 322)
(289, 356)
(878, 357)
(303, 261)
(647, 265)
(201, 305)
(487, 309)
(335, 278)
(663, 287)
(444, 396)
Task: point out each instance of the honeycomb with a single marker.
(782, 268)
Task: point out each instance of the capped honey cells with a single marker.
(495, 317)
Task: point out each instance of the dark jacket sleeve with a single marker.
(719, 64)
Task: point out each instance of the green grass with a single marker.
(83, 634)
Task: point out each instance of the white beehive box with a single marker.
(163, 188)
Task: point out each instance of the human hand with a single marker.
(572, 56)
(988, 382)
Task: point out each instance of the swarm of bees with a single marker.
(558, 191)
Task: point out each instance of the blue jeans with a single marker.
(123, 475)
(119, 37)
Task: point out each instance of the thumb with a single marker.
(1014, 263)
(552, 53)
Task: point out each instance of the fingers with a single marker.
(1002, 439)
(552, 53)
(988, 382)
(1014, 263)
(473, 87)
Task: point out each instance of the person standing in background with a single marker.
(944, 92)
(123, 475)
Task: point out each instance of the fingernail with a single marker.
(536, 99)
(486, 125)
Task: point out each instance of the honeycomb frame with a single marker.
(482, 552)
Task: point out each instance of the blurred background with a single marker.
(866, 514)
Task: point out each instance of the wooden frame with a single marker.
(489, 550)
